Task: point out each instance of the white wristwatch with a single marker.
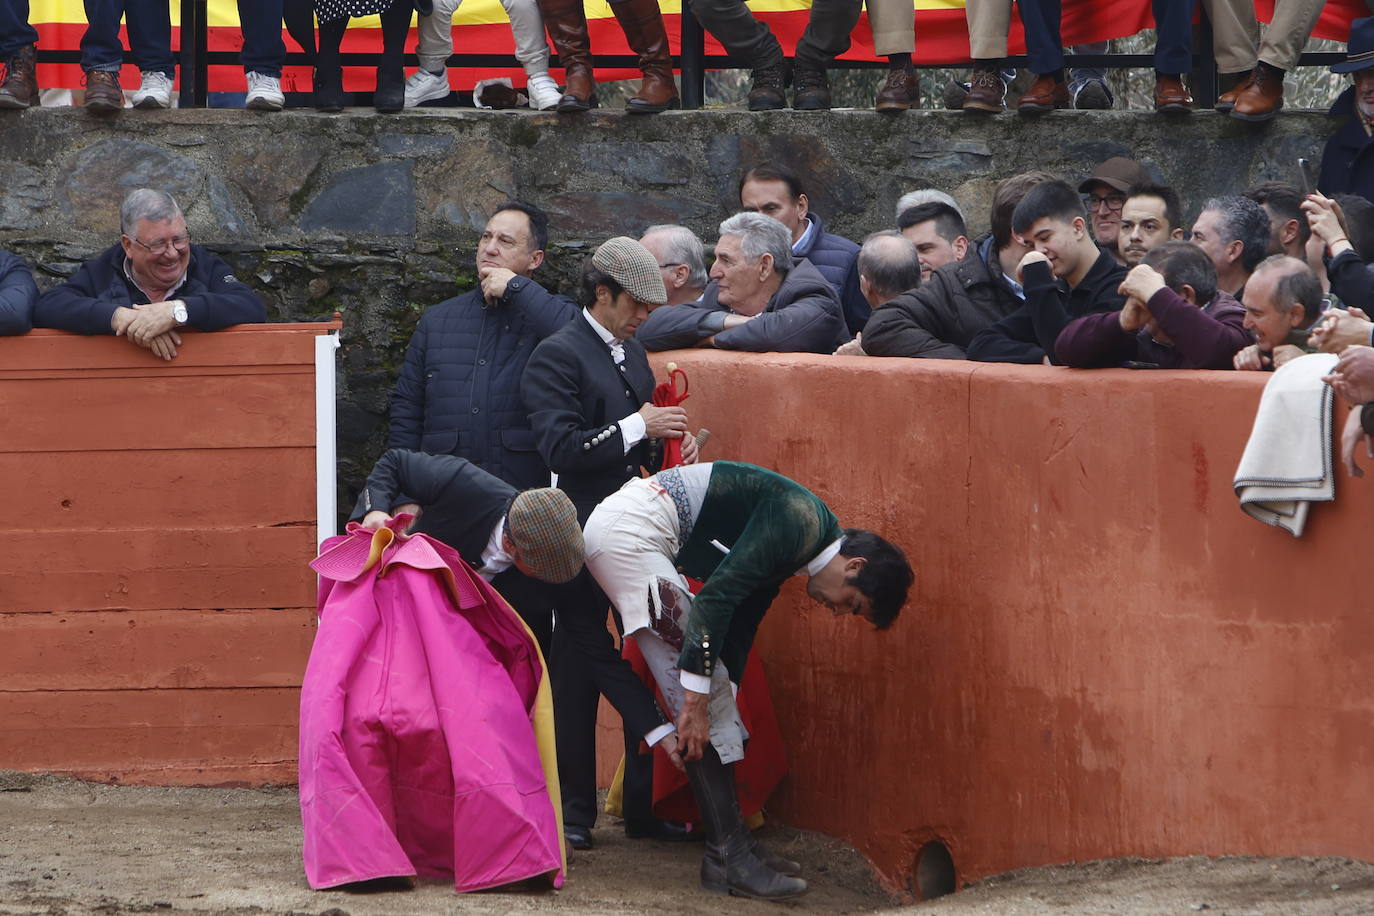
(179, 311)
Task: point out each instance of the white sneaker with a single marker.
(155, 91)
(424, 86)
(543, 91)
(264, 92)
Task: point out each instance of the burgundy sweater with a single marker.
(1204, 338)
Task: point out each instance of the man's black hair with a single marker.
(1184, 263)
(592, 277)
(539, 221)
(1008, 193)
(886, 577)
(1359, 223)
(1286, 201)
(771, 171)
(949, 225)
(1173, 208)
(1048, 200)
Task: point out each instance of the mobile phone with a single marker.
(1306, 179)
(1137, 364)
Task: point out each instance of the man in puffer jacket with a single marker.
(17, 295)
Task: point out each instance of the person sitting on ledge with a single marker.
(17, 294)
(759, 299)
(1174, 318)
(1065, 276)
(150, 284)
(19, 53)
(1282, 300)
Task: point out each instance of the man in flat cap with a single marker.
(519, 541)
(743, 531)
(588, 389)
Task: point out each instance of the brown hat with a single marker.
(543, 530)
(1117, 172)
(632, 266)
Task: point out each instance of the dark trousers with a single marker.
(263, 49)
(15, 31)
(1173, 35)
(584, 667)
(1045, 48)
(150, 35)
(753, 45)
(533, 601)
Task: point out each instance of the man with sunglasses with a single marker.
(1104, 193)
(151, 284)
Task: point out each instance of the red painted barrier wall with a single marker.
(154, 596)
(1103, 656)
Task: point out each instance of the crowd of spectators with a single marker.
(1252, 67)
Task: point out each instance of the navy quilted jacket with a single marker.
(458, 392)
(837, 258)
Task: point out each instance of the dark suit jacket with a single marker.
(576, 395)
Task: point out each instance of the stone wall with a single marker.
(376, 217)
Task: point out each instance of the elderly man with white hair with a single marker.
(759, 298)
(151, 284)
(681, 260)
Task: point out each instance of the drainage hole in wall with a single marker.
(934, 871)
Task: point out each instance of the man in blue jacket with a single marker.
(1348, 159)
(17, 294)
(458, 392)
(151, 284)
(760, 298)
(777, 192)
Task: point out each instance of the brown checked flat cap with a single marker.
(542, 527)
(632, 266)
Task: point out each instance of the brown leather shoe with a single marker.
(103, 94)
(1227, 100)
(986, 91)
(642, 24)
(767, 87)
(20, 88)
(901, 90)
(1171, 96)
(1045, 94)
(1261, 98)
(566, 23)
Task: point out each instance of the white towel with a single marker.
(1287, 463)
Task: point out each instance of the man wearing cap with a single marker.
(588, 389)
(743, 531)
(1347, 161)
(1104, 193)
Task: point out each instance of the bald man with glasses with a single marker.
(151, 284)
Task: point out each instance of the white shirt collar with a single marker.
(495, 559)
(617, 347)
(822, 558)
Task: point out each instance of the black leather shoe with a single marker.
(655, 829)
(578, 837)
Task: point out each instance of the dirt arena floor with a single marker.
(69, 848)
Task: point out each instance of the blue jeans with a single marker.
(263, 50)
(1173, 35)
(150, 35)
(1045, 52)
(15, 31)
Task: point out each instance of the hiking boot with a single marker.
(768, 91)
(102, 91)
(20, 88)
(810, 90)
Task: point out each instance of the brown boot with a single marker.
(20, 88)
(643, 26)
(1262, 97)
(103, 94)
(566, 23)
(986, 91)
(899, 92)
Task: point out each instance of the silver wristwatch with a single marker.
(179, 311)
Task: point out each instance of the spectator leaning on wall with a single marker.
(1282, 300)
(151, 284)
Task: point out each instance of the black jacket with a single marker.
(214, 298)
(939, 319)
(1028, 334)
(1348, 157)
(458, 392)
(17, 295)
(575, 395)
(803, 316)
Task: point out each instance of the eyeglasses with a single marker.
(180, 243)
(1113, 202)
(666, 266)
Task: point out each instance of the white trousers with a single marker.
(526, 25)
(632, 538)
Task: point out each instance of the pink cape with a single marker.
(426, 744)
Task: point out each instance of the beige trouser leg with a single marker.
(1285, 37)
(894, 26)
(1235, 34)
(526, 25)
(988, 21)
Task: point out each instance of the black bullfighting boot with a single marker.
(730, 865)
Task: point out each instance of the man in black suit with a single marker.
(520, 542)
(587, 388)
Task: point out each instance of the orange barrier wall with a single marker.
(154, 593)
(1103, 656)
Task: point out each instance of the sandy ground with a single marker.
(69, 848)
